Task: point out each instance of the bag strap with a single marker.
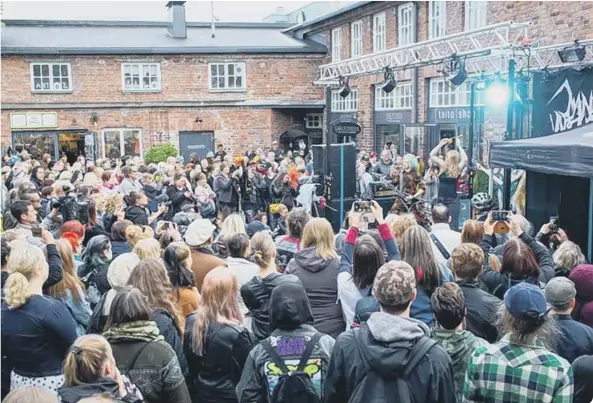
(304, 358)
(274, 356)
(308, 351)
(418, 352)
(136, 357)
(440, 246)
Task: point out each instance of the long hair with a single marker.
(519, 260)
(28, 263)
(452, 160)
(150, 277)
(179, 275)
(318, 233)
(264, 249)
(416, 250)
(232, 225)
(86, 360)
(95, 248)
(523, 331)
(129, 305)
(366, 261)
(70, 280)
(148, 249)
(219, 305)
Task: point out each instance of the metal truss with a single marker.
(495, 40)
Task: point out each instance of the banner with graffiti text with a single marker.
(563, 100)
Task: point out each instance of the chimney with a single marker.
(177, 27)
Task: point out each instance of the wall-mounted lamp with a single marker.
(198, 119)
(94, 118)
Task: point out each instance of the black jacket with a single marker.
(284, 193)
(104, 386)
(256, 296)
(177, 199)
(320, 279)
(214, 376)
(576, 339)
(94, 231)
(119, 248)
(383, 349)
(166, 326)
(482, 311)
(137, 215)
(583, 373)
(99, 276)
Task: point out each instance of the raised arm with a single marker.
(434, 158)
(463, 162)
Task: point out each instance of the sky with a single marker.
(197, 10)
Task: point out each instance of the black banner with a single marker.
(563, 100)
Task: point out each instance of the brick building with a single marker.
(114, 88)
(424, 107)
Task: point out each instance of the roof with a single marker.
(325, 17)
(138, 37)
(568, 153)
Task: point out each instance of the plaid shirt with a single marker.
(506, 372)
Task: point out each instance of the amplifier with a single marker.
(341, 165)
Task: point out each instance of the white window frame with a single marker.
(399, 98)
(121, 131)
(225, 75)
(51, 77)
(475, 14)
(379, 32)
(356, 38)
(443, 94)
(437, 19)
(140, 66)
(346, 104)
(314, 121)
(336, 44)
(406, 24)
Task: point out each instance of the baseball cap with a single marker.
(199, 232)
(210, 154)
(524, 301)
(395, 284)
(559, 291)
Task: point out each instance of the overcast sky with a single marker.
(246, 11)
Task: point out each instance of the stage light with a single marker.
(574, 53)
(389, 84)
(344, 90)
(480, 85)
(457, 73)
(497, 93)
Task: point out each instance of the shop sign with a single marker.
(314, 133)
(346, 129)
(452, 114)
(393, 117)
(33, 120)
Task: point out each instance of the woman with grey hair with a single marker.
(567, 256)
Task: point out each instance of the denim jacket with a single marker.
(80, 310)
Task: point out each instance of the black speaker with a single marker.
(332, 212)
(341, 165)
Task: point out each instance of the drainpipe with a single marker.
(416, 74)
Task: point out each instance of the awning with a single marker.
(291, 135)
(568, 153)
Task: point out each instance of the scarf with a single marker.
(140, 330)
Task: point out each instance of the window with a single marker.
(337, 44)
(379, 32)
(314, 120)
(141, 77)
(406, 24)
(475, 14)
(437, 19)
(443, 93)
(399, 98)
(51, 77)
(356, 39)
(119, 142)
(347, 104)
(227, 76)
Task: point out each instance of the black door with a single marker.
(196, 142)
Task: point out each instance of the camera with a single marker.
(500, 215)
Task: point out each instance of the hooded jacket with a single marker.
(482, 311)
(460, 345)
(256, 296)
(105, 386)
(320, 279)
(384, 347)
(137, 215)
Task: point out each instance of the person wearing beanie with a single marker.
(520, 367)
(199, 236)
(582, 276)
(366, 361)
(576, 339)
(291, 320)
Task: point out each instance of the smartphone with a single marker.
(500, 215)
(36, 232)
(554, 224)
(166, 225)
(362, 206)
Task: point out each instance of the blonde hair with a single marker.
(232, 225)
(452, 159)
(135, 233)
(28, 394)
(86, 359)
(14, 235)
(264, 249)
(319, 233)
(111, 202)
(70, 280)
(25, 265)
(147, 249)
(400, 224)
(568, 255)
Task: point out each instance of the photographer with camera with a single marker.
(179, 195)
(137, 211)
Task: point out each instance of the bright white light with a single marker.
(497, 94)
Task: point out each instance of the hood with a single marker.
(457, 344)
(308, 260)
(289, 307)
(390, 340)
(73, 394)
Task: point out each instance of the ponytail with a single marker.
(86, 360)
(29, 263)
(133, 197)
(17, 290)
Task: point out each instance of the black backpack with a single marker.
(293, 387)
(375, 388)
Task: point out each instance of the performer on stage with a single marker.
(411, 184)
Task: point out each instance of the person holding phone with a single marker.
(179, 195)
(137, 211)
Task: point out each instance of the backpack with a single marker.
(293, 387)
(374, 388)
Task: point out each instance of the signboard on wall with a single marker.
(454, 114)
(393, 117)
(33, 120)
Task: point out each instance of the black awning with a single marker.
(291, 135)
(568, 153)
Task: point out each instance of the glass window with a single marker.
(227, 76)
(347, 104)
(51, 77)
(475, 14)
(314, 120)
(356, 39)
(415, 141)
(387, 135)
(141, 77)
(399, 98)
(120, 142)
(437, 19)
(406, 22)
(443, 93)
(379, 38)
(337, 45)
(36, 143)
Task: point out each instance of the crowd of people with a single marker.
(209, 281)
